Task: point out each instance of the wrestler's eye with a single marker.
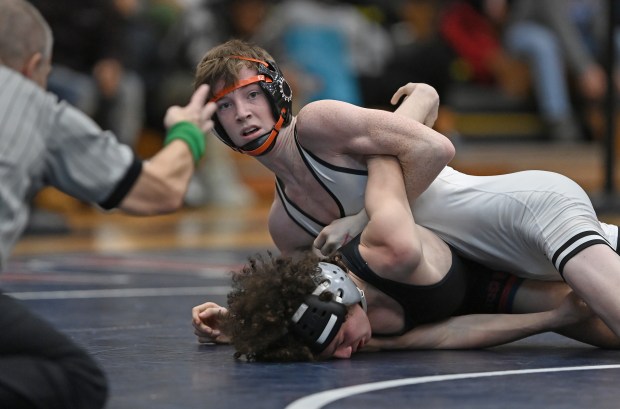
(253, 94)
(223, 105)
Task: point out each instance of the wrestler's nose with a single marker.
(243, 111)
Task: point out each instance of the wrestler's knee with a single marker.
(594, 274)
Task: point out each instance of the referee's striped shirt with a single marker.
(46, 142)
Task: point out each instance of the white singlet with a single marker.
(527, 223)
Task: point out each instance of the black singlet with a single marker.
(467, 288)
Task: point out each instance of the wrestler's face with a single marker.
(244, 113)
(354, 333)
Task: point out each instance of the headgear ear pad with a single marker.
(317, 321)
(278, 91)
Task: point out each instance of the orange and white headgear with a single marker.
(280, 97)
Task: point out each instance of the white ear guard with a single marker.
(335, 280)
(317, 321)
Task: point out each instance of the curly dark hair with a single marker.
(265, 295)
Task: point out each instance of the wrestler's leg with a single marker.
(536, 296)
(594, 274)
(515, 222)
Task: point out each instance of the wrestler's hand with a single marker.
(421, 102)
(573, 310)
(196, 111)
(206, 321)
(338, 233)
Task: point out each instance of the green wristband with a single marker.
(191, 135)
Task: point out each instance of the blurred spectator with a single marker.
(546, 34)
(548, 37)
(324, 47)
(201, 25)
(477, 41)
(592, 19)
(419, 54)
(89, 63)
(148, 23)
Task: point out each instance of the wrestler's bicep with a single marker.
(331, 128)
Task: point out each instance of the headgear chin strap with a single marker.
(318, 321)
(280, 96)
(263, 143)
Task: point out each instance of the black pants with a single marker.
(42, 368)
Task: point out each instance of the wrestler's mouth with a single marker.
(251, 131)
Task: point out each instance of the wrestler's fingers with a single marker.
(205, 340)
(207, 332)
(199, 309)
(396, 97)
(402, 92)
(200, 325)
(319, 241)
(205, 306)
(329, 247)
(204, 330)
(212, 311)
(323, 245)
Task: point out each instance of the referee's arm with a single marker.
(161, 185)
(158, 185)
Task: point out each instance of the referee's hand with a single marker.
(196, 111)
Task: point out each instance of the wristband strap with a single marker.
(191, 135)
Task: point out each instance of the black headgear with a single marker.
(317, 321)
(280, 96)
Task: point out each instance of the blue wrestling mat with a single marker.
(132, 311)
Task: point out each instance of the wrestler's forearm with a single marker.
(423, 162)
(482, 331)
(421, 104)
(162, 183)
(475, 331)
